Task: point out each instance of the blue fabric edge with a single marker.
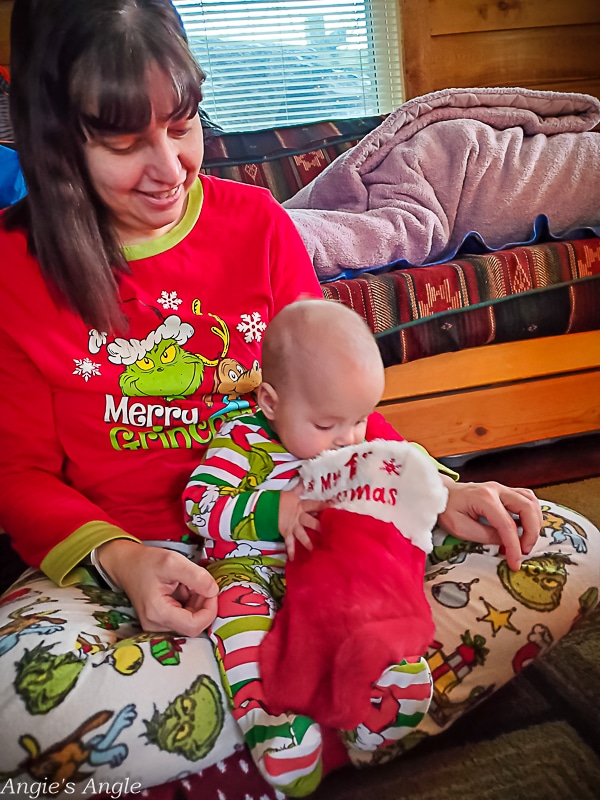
(473, 244)
(12, 183)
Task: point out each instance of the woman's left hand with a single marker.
(498, 505)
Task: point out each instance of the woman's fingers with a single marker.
(491, 513)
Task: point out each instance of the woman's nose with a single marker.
(164, 162)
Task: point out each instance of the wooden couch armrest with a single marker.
(497, 396)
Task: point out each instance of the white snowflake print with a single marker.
(169, 300)
(86, 368)
(252, 327)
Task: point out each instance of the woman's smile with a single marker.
(164, 199)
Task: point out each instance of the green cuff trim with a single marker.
(266, 517)
(441, 467)
(62, 562)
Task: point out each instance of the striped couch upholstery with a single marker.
(524, 292)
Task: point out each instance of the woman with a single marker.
(127, 283)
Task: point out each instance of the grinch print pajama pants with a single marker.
(87, 696)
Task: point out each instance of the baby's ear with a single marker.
(267, 399)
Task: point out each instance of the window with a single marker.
(282, 62)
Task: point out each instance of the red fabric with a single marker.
(354, 605)
(85, 448)
(456, 305)
(233, 778)
(379, 428)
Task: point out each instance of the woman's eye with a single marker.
(179, 132)
(121, 145)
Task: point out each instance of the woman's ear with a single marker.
(267, 400)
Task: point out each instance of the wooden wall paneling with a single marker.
(543, 44)
(584, 85)
(533, 57)
(5, 11)
(416, 47)
(450, 16)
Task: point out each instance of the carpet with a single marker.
(582, 496)
(537, 738)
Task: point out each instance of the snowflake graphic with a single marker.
(252, 327)
(392, 467)
(86, 368)
(169, 300)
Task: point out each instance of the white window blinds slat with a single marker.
(280, 62)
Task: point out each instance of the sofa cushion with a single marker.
(282, 159)
(521, 293)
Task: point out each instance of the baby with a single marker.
(322, 377)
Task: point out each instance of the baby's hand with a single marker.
(295, 515)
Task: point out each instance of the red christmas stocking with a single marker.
(355, 604)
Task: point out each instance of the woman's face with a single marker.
(144, 178)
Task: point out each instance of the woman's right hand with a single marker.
(168, 591)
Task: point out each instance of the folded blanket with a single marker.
(450, 163)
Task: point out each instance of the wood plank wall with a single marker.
(538, 44)
(5, 9)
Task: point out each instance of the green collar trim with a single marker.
(154, 247)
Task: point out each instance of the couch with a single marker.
(486, 350)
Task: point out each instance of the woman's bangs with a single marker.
(187, 92)
(108, 103)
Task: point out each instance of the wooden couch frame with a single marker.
(497, 396)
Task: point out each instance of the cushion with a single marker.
(281, 159)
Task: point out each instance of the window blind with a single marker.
(282, 62)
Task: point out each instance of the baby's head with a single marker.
(322, 376)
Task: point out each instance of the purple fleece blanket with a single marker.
(450, 163)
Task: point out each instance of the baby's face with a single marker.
(310, 419)
(308, 433)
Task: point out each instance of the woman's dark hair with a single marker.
(80, 68)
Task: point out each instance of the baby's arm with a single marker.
(225, 498)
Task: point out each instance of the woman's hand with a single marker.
(469, 503)
(168, 591)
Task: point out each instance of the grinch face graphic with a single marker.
(540, 581)
(44, 679)
(166, 370)
(191, 724)
(158, 365)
